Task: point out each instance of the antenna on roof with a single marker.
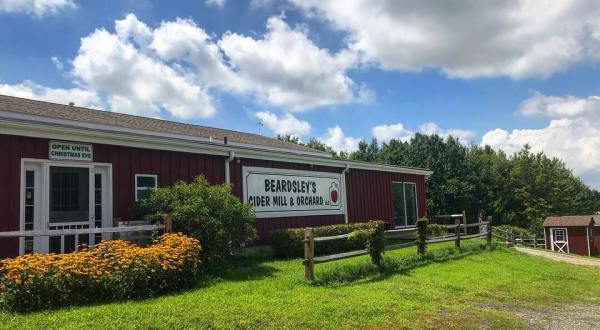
(71, 104)
(260, 124)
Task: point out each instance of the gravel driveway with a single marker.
(575, 260)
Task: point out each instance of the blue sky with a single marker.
(489, 73)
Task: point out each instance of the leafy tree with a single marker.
(366, 152)
(289, 138)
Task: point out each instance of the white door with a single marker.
(70, 204)
(102, 201)
(64, 195)
(559, 240)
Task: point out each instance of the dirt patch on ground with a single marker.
(564, 316)
(575, 260)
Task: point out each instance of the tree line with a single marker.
(519, 189)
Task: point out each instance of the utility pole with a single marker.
(260, 125)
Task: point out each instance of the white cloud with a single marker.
(284, 125)
(519, 38)
(285, 68)
(36, 7)
(384, 133)
(336, 138)
(430, 128)
(183, 41)
(561, 107)
(177, 66)
(30, 90)
(572, 134)
(57, 63)
(136, 82)
(215, 3)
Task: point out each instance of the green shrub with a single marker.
(435, 230)
(288, 243)
(514, 229)
(210, 213)
(422, 235)
(113, 270)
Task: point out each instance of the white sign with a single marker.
(282, 193)
(70, 151)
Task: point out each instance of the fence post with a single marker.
(168, 222)
(464, 220)
(421, 235)
(457, 240)
(309, 253)
(489, 232)
(535, 241)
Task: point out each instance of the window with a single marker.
(560, 235)
(69, 194)
(143, 184)
(65, 191)
(404, 200)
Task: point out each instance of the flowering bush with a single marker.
(112, 270)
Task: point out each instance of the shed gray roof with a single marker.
(75, 113)
(569, 221)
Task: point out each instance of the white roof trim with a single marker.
(42, 127)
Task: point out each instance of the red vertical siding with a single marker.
(169, 166)
(368, 193)
(596, 241)
(578, 241)
(13, 148)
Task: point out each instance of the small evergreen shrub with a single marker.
(289, 243)
(113, 270)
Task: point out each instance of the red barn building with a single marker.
(573, 234)
(66, 167)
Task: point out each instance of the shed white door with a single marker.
(559, 240)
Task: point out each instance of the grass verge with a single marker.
(458, 290)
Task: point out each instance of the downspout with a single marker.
(346, 170)
(227, 161)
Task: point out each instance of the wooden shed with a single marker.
(573, 234)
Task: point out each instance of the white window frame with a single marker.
(155, 176)
(565, 241)
(404, 201)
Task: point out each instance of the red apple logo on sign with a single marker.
(333, 193)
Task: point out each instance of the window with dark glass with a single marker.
(69, 194)
(144, 183)
(404, 200)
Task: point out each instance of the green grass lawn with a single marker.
(469, 290)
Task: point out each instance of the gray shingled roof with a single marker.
(569, 221)
(75, 113)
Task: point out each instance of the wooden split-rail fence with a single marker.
(513, 239)
(460, 233)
